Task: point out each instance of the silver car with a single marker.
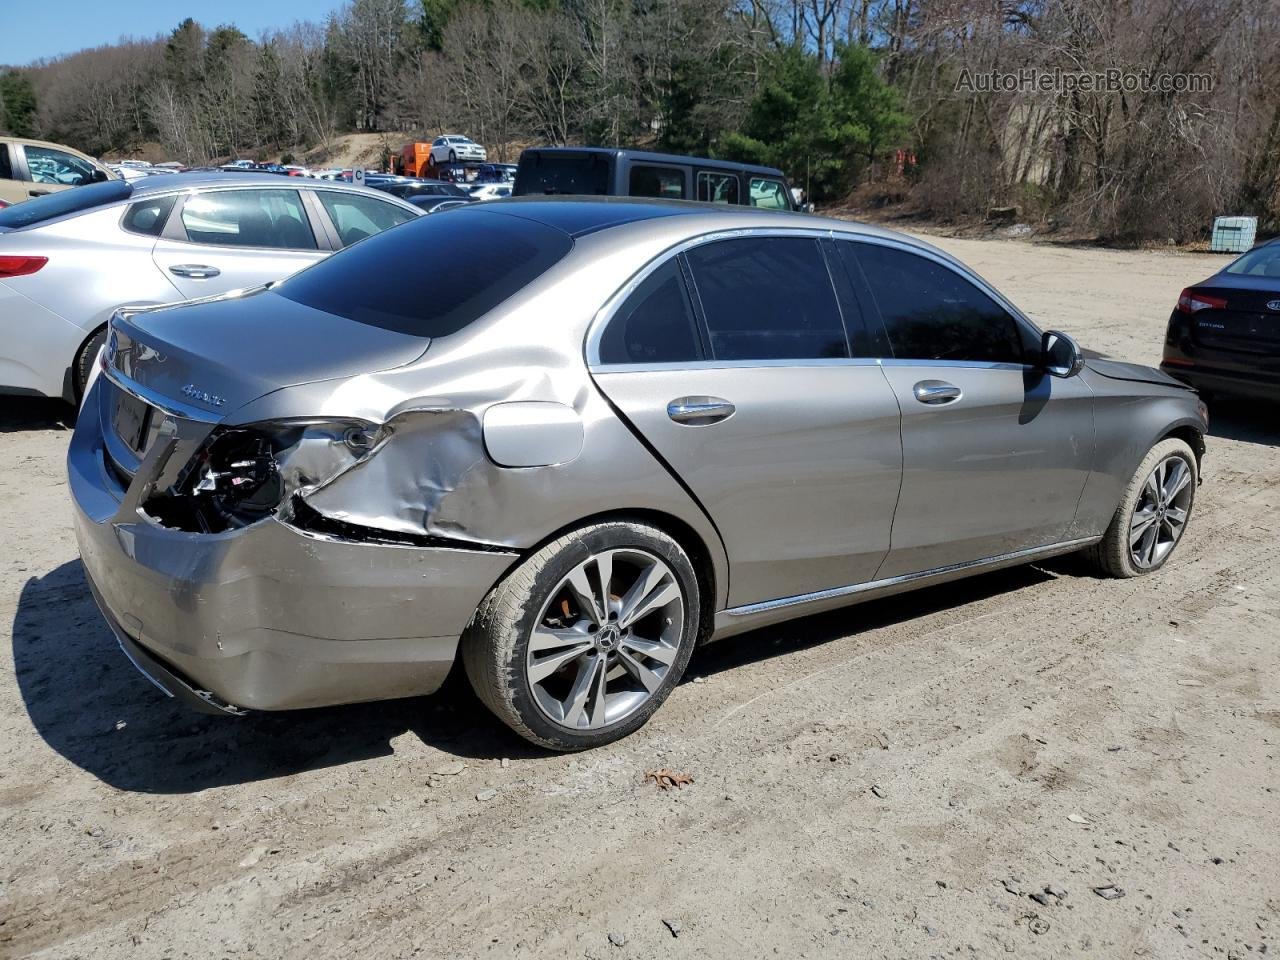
(593, 436)
(70, 260)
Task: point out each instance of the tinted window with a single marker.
(717, 187)
(768, 194)
(584, 175)
(148, 217)
(933, 313)
(32, 212)
(656, 323)
(1261, 262)
(47, 165)
(6, 170)
(666, 182)
(768, 298)
(431, 296)
(356, 217)
(248, 218)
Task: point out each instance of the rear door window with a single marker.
(6, 165)
(270, 219)
(431, 296)
(768, 194)
(649, 181)
(717, 187)
(47, 165)
(768, 298)
(931, 312)
(357, 217)
(655, 324)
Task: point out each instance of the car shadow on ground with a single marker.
(19, 414)
(1249, 421)
(90, 705)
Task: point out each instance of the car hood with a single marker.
(1133, 372)
(219, 354)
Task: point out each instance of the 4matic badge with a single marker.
(195, 393)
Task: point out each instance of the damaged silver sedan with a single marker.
(567, 440)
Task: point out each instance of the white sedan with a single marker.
(452, 148)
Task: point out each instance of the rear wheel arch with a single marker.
(711, 578)
(81, 362)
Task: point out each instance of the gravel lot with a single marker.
(892, 780)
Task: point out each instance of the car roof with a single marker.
(580, 216)
(180, 182)
(648, 157)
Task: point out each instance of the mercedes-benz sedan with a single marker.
(624, 428)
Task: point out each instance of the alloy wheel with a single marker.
(1160, 515)
(606, 639)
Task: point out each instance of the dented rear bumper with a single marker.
(270, 616)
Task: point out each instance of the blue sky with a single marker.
(31, 30)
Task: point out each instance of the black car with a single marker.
(408, 190)
(1224, 334)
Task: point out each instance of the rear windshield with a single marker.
(73, 200)
(1259, 262)
(432, 276)
(586, 174)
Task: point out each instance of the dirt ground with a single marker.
(892, 780)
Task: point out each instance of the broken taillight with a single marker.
(1193, 301)
(20, 266)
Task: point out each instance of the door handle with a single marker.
(936, 392)
(194, 271)
(37, 193)
(699, 411)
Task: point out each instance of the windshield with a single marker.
(490, 257)
(75, 200)
(1260, 262)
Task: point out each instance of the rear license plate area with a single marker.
(132, 421)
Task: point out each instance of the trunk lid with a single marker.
(1250, 322)
(217, 355)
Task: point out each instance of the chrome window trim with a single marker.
(813, 362)
(1030, 553)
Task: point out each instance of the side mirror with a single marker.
(1060, 356)
(99, 176)
(808, 208)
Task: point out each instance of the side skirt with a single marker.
(750, 616)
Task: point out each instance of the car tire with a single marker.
(453, 156)
(641, 660)
(1131, 549)
(84, 362)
